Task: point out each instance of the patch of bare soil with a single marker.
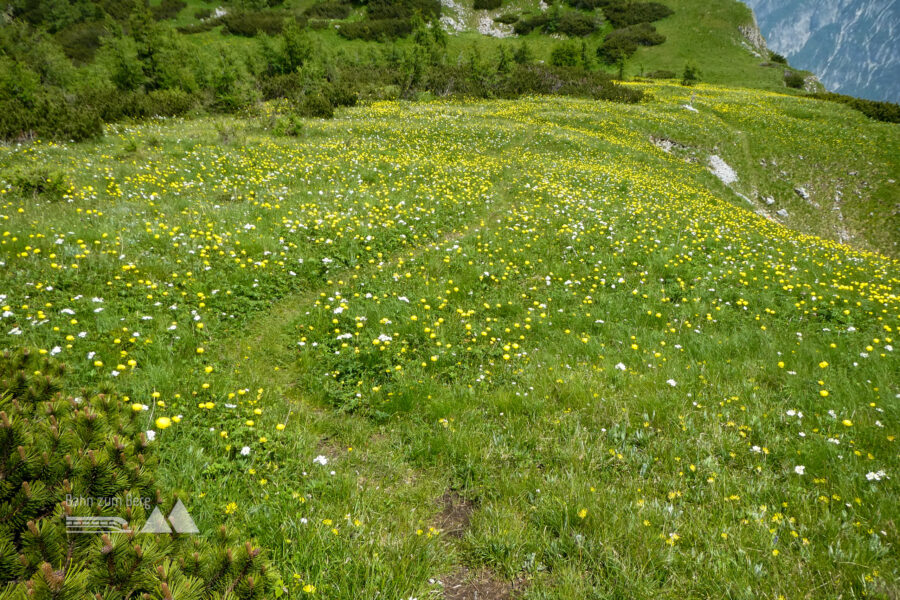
(465, 584)
(456, 512)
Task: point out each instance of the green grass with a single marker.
(543, 272)
(704, 35)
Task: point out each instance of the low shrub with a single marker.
(690, 76)
(167, 9)
(374, 30)
(527, 24)
(487, 4)
(329, 9)
(250, 24)
(53, 446)
(315, 105)
(576, 24)
(288, 126)
(169, 103)
(509, 18)
(794, 80)
(622, 43)
(403, 9)
(51, 116)
(201, 27)
(541, 79)
(624, 14)
(38, 181)
(887, 112)
(565, 55)
(587, 4)
(81, 41)
(282, 85)
(340, 94)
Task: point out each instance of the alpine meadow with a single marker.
(585, 299)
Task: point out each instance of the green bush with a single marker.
(403, 9)
(207, 25)
(487, 4)
(523, 54)
(778, 58)
(565, 55)
(280, 85)
(374, 30)
(587, 4)
(576, 24)
(887, 112)
(507, 18)
(53, 448)
(340, 94)
(49, 116)
(81, 41)
(289, 126)
(38, 181)
(622, 43)
(228, 82)
(202, 14)
(329, 9)
(169, 103)
(794, 80)
(690, 76)
(527, 24)
(250, 24)
(624, 14)
(541, 79)
(315, 105)
(168, 9)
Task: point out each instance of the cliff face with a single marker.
(755, 37)
(850, 44)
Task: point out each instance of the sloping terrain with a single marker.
(549, 347)
(850, 44)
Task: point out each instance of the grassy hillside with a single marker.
(702, 34)
(439, 348)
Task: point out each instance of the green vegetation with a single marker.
(128, 62)
(427, 313)
(880, 111)
(145, 69)
(57, 450)
(626, 14)
(793, 79)
(474, 301)
(622, 43)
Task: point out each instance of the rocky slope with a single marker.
(850, 44)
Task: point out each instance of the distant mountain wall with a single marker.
(852, 45)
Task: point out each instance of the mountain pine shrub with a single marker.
(53, 448)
